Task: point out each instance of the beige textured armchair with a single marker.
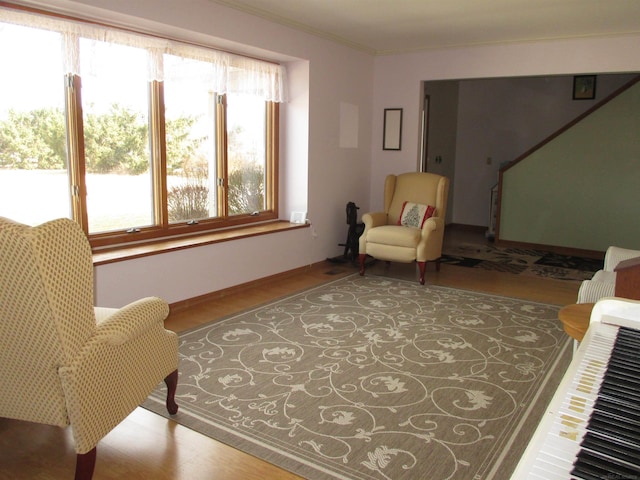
(62, 361)
(411, 227)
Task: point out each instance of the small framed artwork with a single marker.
(392, 129)
(584, 87)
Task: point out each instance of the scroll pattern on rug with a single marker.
(370, 378)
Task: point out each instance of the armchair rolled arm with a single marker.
(432, 224)
(370, 220)
(430, 245)
(131, 321)
(374, 219)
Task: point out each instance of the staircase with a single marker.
(577, 191)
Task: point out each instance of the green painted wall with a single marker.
(582, 189)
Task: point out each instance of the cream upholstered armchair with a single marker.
(62, 361)
(411, 227)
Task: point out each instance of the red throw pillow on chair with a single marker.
(415, 214)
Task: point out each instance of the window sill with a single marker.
(101, 257)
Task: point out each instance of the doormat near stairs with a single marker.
(522, 261)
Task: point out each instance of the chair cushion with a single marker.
(415, 214)
(395, 235)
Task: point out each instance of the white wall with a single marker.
(197, 271)
(318, 175)
(397, 83)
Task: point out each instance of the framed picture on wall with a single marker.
(392, 137)
(584, 87)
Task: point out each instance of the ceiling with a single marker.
(385, 27)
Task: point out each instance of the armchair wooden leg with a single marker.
(438, 264)
(361, 259)
(171, 381)
(85, 464)
(422, 266)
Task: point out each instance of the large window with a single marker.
(135, 137)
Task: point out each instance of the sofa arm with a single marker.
(131, 320)
(591, 291)
(615, 255)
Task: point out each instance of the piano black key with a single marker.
(626, 348)
(628, 410)
(627, 338)
(624, 367)
(627, 352)
(612, 395)
(618, 394)
(623, 363)
(621, 383)
(620, 377)
(629, 333)
(614, 428)
(617, 412)
(584, 470)
(619, 389)
(588, 467)
(593, 463)
(611, 448)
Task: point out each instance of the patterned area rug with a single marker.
(522, 261)
(375, 378)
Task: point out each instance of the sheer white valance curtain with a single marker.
(228, 73)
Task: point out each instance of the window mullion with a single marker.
(157, 139)
(75, 150)
(221, 156)
(271, 173)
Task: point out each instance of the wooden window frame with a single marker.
(162, 230)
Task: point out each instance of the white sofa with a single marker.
(603, 282)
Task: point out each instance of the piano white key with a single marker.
(551, 467)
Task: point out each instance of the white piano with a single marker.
(604, 414)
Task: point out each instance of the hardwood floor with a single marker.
(146, 446)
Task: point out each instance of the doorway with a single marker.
(439, 133)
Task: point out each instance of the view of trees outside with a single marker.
(34, 183)
(246, 140)
(115, 108)
(30, 119)
(193, 165)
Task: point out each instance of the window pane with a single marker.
(34, 180)
(246, 151)
(190, 111)
(115, 102)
